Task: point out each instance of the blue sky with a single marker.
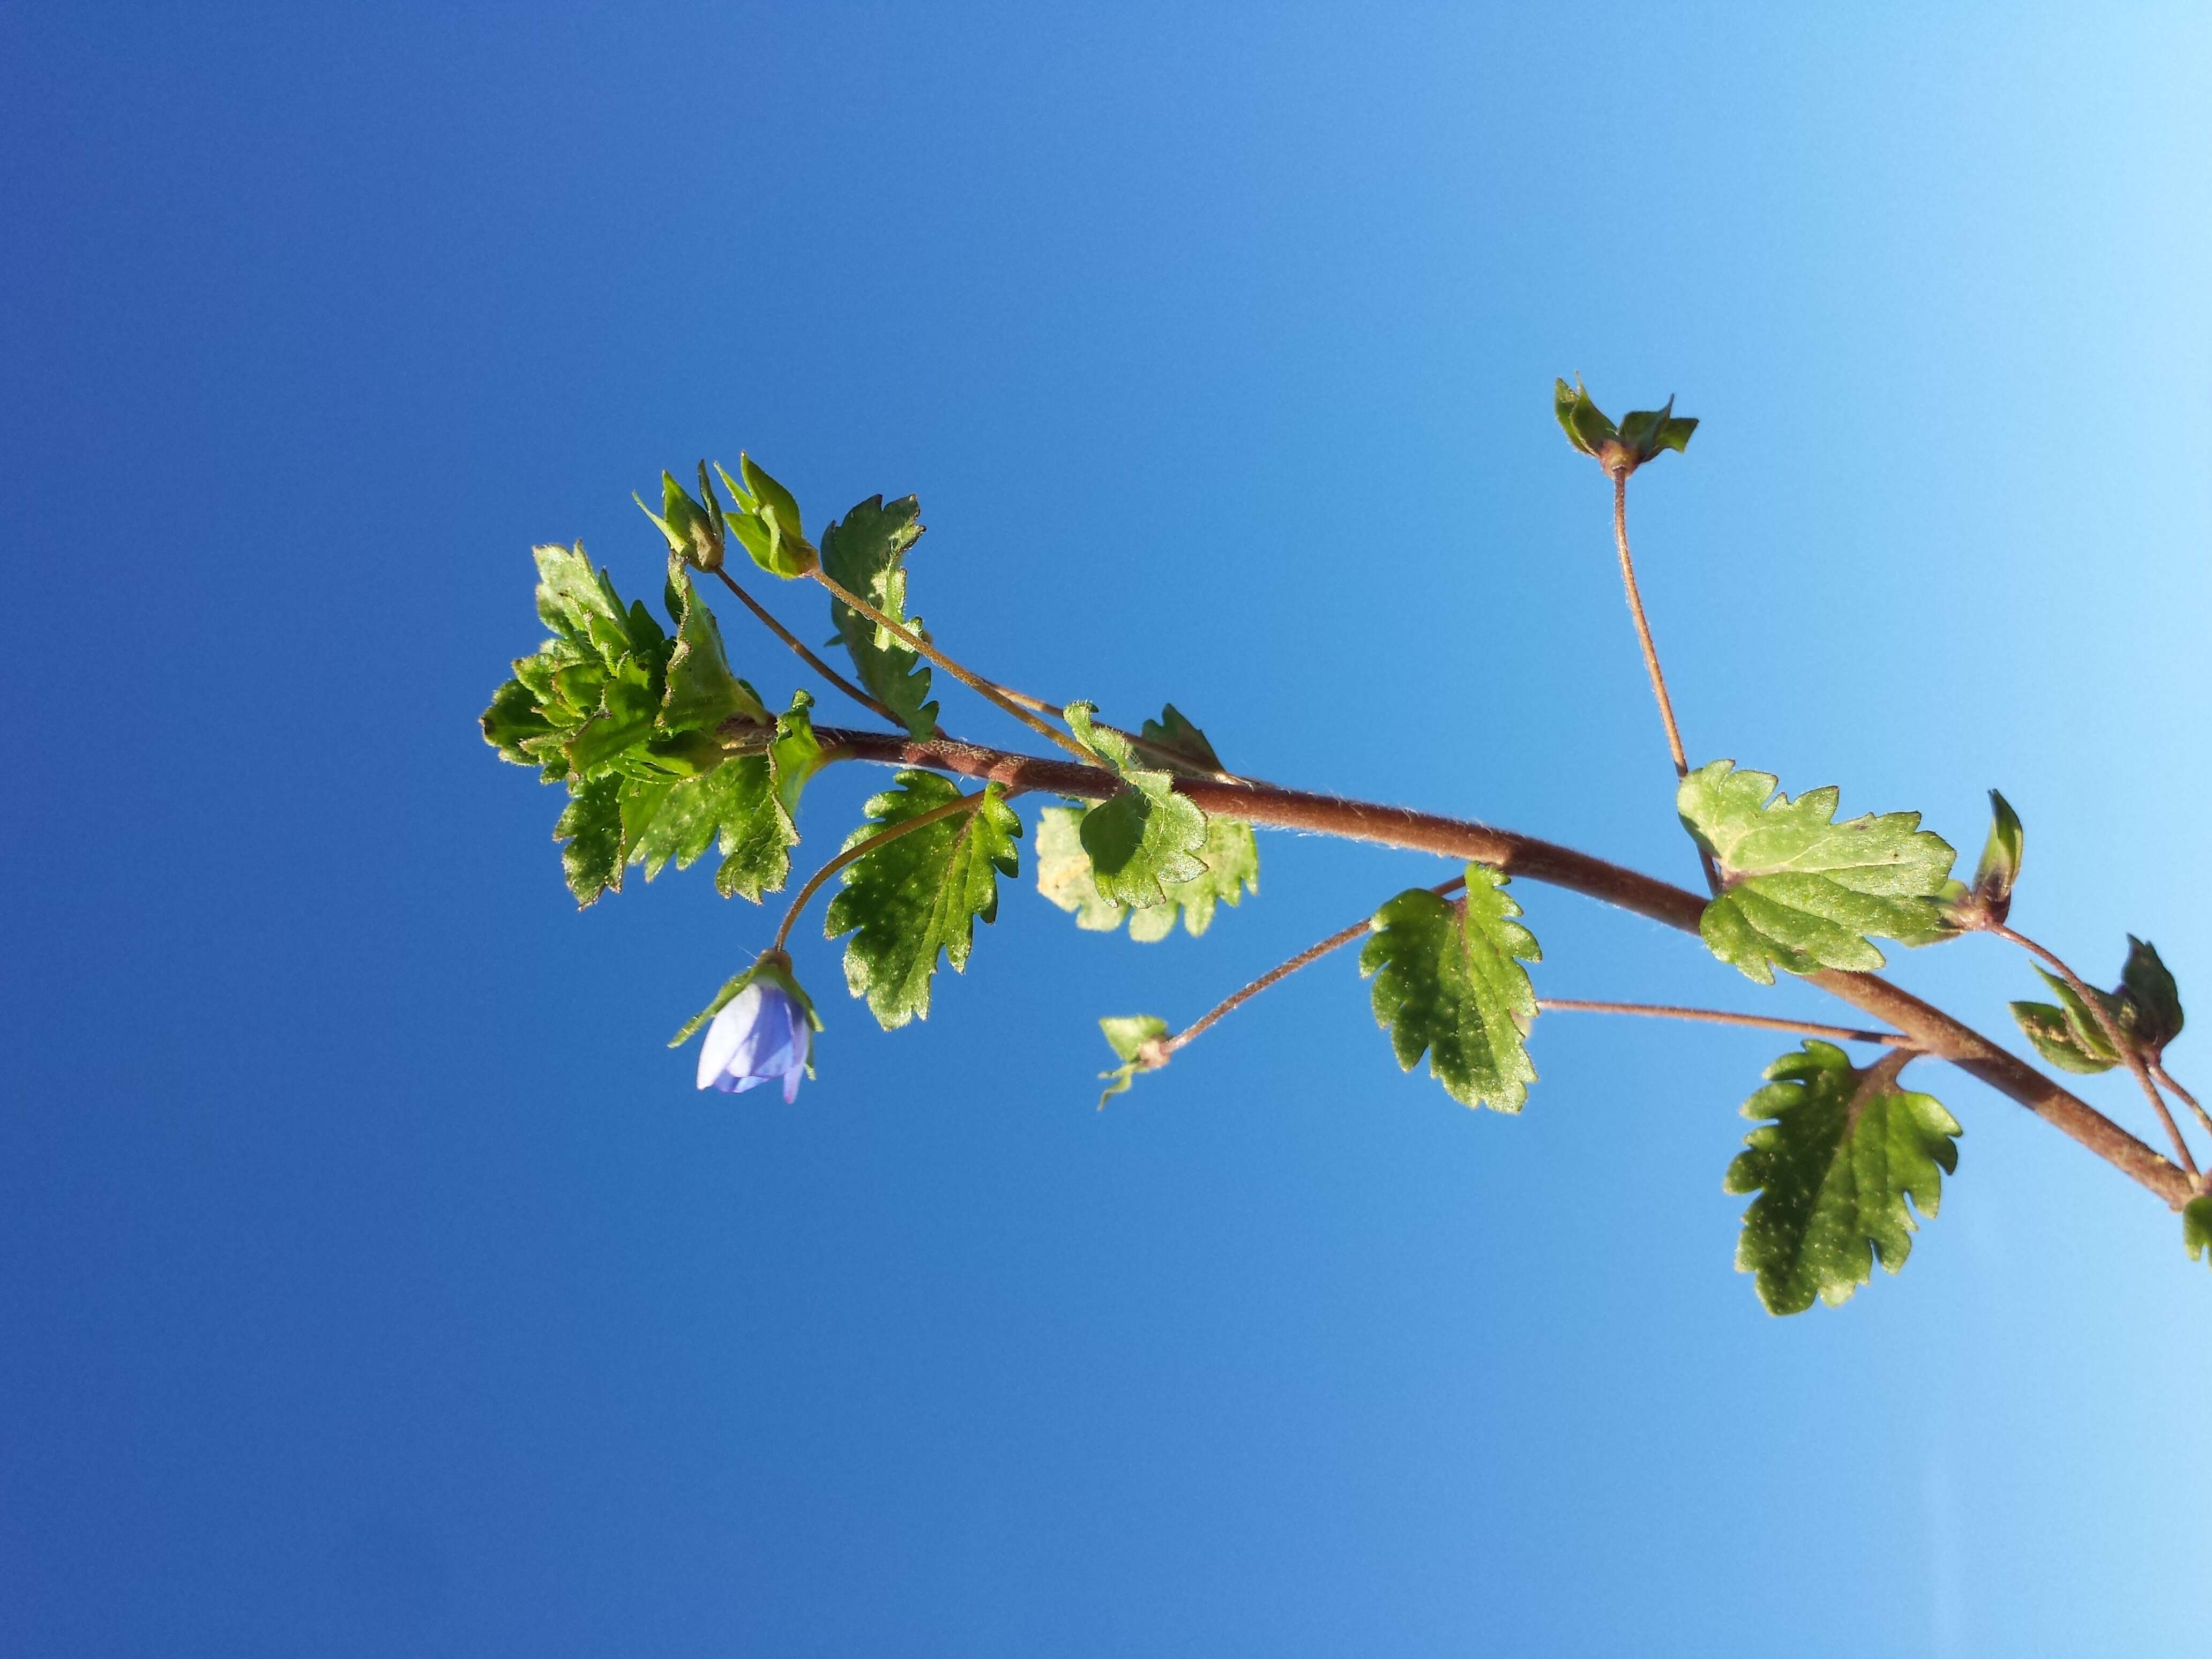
(376, 1283)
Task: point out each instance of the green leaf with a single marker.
(1132, 1037)
(2149, 1002)
(734, 807)
(1799, 892)
(1448, 981)
(1998, 869)
(1064, 871)
(795, 754)
(2195, 1227)
(864, 553)
(774, 966)
(572, 596)
(693, 529)
(1641, 435)
(767, 523)
(1580, 418)
(702, 692)
(1842, 1151)
(920, 892)
(1144, 839)
(1179, 738)
(2059, 1041)
(591, 828)
(1230, 854)
(2070, 1036)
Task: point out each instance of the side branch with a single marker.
(1929, 1029)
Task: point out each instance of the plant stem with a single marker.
(806, 656)
(2121, 1045)
(975, 683)
(1934, 1031)
(1651, 652)
(1312, 953)
(1722, 1017)
(1173, 761)
(861, 849)
(2158, 1070)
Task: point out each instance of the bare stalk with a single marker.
(806, 656)
(1722, 1017)
(1930, 1029)
(2121, 1045)
(2158, 1070)
(861, 849)
(1651, 651)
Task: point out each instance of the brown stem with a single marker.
(1722, 1017)
(2121, 1046)
(1651, 652)
(986, 689)
(861, 849)
(2158, 1070)
(1929, 1029)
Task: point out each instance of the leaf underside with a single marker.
(864, 553)
(1230, 852)
(1842, 1152)
(1449, 983)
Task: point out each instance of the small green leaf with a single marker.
(2002, 855)
(591, 828)
(1641, 435)
(1842, 1151)
(2149, 1003)
(1800, 891)
(864, 553)
(767, 524)
(1134, 1039)
(1178, 737)
(701, 690)
(2059, 1041)
(1230, 852)
(693, 529)
(1580, 418)
(2195, 1227)
(1449, 983)
(572, 596)
(1144, 839)
(795, 754)
(920, 893)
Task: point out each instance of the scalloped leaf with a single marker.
(1449, 983)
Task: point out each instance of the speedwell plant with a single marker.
(666, 755)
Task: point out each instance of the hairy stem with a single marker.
(1929, 1029)
(1723, 1016)
(988, 690)
(2121, 1044)
(806, 656)
(1651, 652)
(861, 849)
(2158, 1070)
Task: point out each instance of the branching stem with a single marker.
(2122, 1045)
(1930, 1029)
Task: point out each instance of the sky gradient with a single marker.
(375, 1280)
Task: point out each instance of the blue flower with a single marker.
(759, 1035)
